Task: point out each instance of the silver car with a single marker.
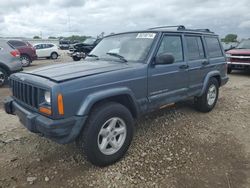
(9, 61)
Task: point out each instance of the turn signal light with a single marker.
(60, 104)
(45, 110)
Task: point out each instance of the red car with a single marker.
(27, 51)
(239, 57)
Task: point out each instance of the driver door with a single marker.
(168, 83)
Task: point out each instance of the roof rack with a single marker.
(181, 27)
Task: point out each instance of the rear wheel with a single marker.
(107, 134)
(3, 77)
(207, 101)
(54, 55)
(26, 61)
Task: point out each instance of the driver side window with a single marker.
(172, 44)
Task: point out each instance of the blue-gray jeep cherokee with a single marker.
(95, 102)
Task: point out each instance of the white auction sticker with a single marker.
(145, 36)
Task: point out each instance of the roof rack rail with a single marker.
(182, 27)
(179, 27)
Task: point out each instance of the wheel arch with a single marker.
(5, 67)
(213, 74)
(123, 96)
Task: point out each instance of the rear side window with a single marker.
(195, 48)
(173, 45)
(49, 45)
(17, 43)
(213, 46)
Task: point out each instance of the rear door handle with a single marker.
(205, 63)
(183, 66)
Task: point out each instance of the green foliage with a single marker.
(36, 37)
(230, 38)
(76, 38)
(51, 37)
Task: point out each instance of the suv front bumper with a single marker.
(62, 131)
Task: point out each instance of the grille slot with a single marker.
(26, 93)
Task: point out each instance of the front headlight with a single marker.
(47, 97)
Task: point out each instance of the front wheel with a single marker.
(207, 101)
(107, 134)
(75, 58)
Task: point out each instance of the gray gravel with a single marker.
(174, 147)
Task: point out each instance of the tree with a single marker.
(36, 37)
(51, 37)
(230, 38)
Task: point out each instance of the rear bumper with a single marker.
(33, 57)
(62, 131)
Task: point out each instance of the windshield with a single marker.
(89, 41)
(245, 44)
(129, 46)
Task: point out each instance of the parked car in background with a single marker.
(9, 61)
(47, 50)
(125, 76)
(239, 57)
(27, 51)
(229, 45)
(80, 50)
(64, 44)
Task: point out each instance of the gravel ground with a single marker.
(173, 147)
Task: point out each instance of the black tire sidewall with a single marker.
(90, 146)
(5, 77)
(51, 56)
(76, 58)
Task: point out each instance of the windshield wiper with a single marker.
(118, 56)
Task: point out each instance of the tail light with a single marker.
(15, 53)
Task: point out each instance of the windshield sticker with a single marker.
(145, 36)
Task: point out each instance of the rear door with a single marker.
(197, 62)
(168, 83)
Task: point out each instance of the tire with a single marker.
(202, 103)
(26, 61)
(3, 77)
(92, 139)
(54, 55)
(229, 70)
(76, 58)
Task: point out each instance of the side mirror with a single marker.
(164, 58)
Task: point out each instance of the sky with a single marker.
(27, 18)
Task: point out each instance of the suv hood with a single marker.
(239, 51)
(69, 71)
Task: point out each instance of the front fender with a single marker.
(206, 80)
(91, 99)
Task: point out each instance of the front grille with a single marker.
(243, 60)
(26, 93)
